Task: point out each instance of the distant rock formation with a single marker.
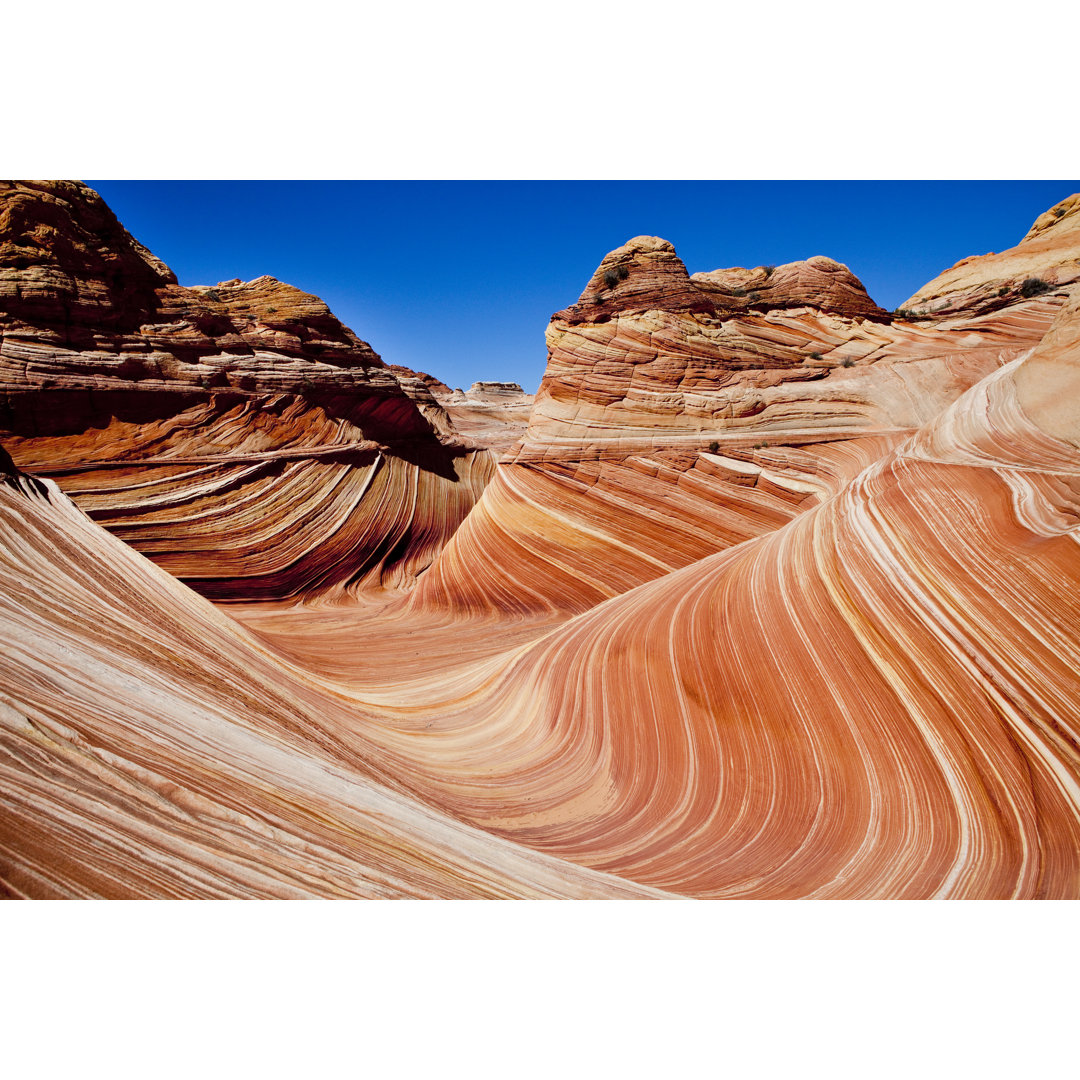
(494, 392)
(490, 414)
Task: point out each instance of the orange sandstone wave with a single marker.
(775, 598)
(877, 699)
(150, 748)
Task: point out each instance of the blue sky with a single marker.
(459, 278)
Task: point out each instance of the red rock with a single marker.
(732, 620)
(238, 434)
(652, 382)
(66, 262)
(1049, 253)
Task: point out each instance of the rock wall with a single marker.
(671, 425)
(239, 434)
(731, 620)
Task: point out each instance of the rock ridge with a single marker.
(238, 433)
(1043, 264)
(647, 274)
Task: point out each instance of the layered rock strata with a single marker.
(494, 415)
(823, 649)
(878, 698)
(1045, 261)
(150, 748)
(238, 434)
(678, 417)
(814, 360)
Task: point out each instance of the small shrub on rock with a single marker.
(1033, 286)
(616, 274)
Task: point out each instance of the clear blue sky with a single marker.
(459, 278)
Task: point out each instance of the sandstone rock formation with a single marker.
(669, 426)
(493, 415)
(809, 362)
(238, 434)
(776, 597)
(1046, 261)
(151, 748)
(490, 414)
(875, 698)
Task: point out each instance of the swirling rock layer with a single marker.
(164, 754)
(775, 597)
(876, 699)
(239, 435)
(673, 428)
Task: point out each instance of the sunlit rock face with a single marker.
(806, 353)
(238, 434)
(875, 697)
(776, 597)
(878, 699)
(681, 415)
(491, 415)
(1044, 263)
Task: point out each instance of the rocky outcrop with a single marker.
(824, 647)
(816, 359)
(1042, 265)
(490, 414)
(646, 274)
(663, 432)
(66, 263)
(238, 434)
(819, 283)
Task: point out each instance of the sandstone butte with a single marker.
(240, 436)
(773, 596)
